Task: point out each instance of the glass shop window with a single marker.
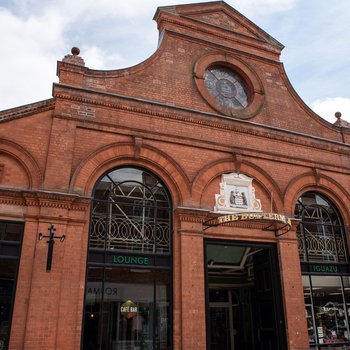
(327, 310)
(309, 312)
(324, 255)
(127, 309)
(127, 296)
(330, 310)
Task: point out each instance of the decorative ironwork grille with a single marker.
(320, 233)
(131, 211)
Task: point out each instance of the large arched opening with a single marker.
(129, 269)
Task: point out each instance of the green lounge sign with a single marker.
(130, 260)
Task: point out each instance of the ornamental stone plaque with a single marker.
(237, 194)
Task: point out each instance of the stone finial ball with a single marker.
(337, 115)
(75, 51)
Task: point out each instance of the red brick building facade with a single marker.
(144, 160)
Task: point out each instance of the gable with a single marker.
(220, 15)
(194, 40)
(222, 20)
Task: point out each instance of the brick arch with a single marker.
(26, 161)
(123, 154)
(323, 185)
(212, 170)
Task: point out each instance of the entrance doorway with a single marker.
(244, 308)
(11, 234)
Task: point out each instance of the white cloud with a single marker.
(35, 34)
(29, 52)
(326, 108)
(262, 7)
(98, 58)
(316, 56)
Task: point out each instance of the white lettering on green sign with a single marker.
(325, 268)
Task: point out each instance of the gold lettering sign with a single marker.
(254, 216)
(128, 309)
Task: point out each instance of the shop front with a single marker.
(244, 304)
(129, 275)
(128, 294)
(326, 274)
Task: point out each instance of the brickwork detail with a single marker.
(154, 116)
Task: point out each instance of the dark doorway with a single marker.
(244, 308)
(10, 250)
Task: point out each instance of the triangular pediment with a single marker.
(220, 15)
(222, 20)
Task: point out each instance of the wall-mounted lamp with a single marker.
(50, 242)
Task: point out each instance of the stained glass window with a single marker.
(227, 87)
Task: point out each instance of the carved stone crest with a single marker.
(237, 194)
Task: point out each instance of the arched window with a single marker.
(131, 211)
(320, 233)
(129, 272)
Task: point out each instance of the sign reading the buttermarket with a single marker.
(278, 223)
(254, 216)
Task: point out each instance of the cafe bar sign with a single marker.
(128, 309)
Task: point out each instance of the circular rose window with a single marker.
(229, 85)
(226, 87)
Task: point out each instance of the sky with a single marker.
(113, 34)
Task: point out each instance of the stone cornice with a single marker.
(162, 110)
(44, 199)
(11, 197)
(191, 214)
(26, 110)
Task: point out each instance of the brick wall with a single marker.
(153, 116)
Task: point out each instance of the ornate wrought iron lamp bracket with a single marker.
(51, 241)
